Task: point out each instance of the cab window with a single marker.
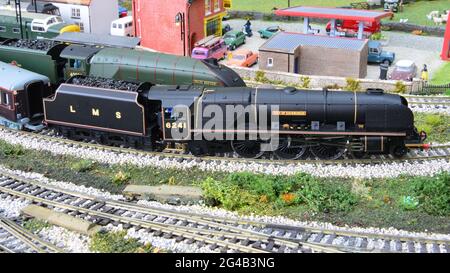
(75, 64)
(38, 29)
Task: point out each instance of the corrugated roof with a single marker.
(288, 42)
(330, 13)
(98, 39)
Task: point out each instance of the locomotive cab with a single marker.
(78, 57)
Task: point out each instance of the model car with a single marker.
(404, 70)
(269, 31)
(234, 38)
(378, 55)
(243, 57)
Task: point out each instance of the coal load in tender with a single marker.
(43, 45)
(106, 83)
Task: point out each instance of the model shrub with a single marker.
(435, 125)
(326, 197)
(9, 150)
(432, 193)
(35, 225)
(242, 190)
(377, 36)
(306, 82)
(116, 242)
(352, 85)
(121, 177)
(260, 76)
(83, 165)
(400, 87)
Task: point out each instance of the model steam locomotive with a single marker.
(60, 61)
(141, 115)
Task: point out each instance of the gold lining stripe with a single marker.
(256, 107)
(356, 107)
(382, 144)
(365, 144)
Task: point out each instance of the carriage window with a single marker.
(5, 98)
(114, 25)
(16, 30)
(2, 29)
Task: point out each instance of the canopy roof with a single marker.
(333, 13)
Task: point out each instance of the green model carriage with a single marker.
(34, 25)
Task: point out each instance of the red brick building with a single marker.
(173, 26)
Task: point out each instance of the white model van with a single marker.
(122, 26)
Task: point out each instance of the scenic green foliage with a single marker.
(116, 242)
(352, 85)
(432, 193)
(400, 87)
(442, 76)
(436, 126)
(242, 191)
(34, 225)
(83, 165)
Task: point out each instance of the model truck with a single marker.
(378, 55)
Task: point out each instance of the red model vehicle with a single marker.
(351, 26)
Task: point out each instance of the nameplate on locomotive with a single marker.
(289, 113)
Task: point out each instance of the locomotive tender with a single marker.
(326, 123)
(60, 61)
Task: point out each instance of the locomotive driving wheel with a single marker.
(247, 148)
(328, 152)
(290, 150)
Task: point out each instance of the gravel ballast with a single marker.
(387, 170)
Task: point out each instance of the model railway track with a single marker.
(181, 227)
(224, 234)
(436, 152)
(349, 240)
(16, 239)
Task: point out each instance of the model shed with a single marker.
(315, 55)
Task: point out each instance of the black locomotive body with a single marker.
(212, 120)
